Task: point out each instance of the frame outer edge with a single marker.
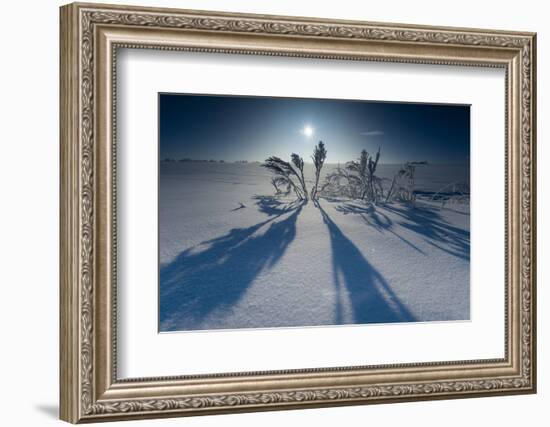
(534, 270)
(296, 19)
(69, 354)
(77, 339)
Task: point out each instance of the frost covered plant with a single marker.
(404, 191)
(318, 157)
(395, 184)
(455, 193)
(357, 180)
(340, 183)
(363, 171)
(281, 185)
(286, 174)
(298, 162)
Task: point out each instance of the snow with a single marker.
(233, 256)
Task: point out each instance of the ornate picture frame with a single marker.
(90, 37)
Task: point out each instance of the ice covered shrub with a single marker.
(340, 183)
(286, 174)
(455, 193)
(395, 184)
(402, 186)
(298, 162)
(281, 185)
(357, 180)
(318, 157)
(362, 171)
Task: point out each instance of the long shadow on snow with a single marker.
(423, 220)
(427, 222)
(376, 219)
(196, 283)
(271, 205)
(371, 297)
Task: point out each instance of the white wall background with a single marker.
(29, 171)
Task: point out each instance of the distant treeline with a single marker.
(169, 159)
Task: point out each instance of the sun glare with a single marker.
(308, 131)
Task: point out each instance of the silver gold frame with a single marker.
(90, 36)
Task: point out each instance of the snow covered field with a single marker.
(233, 256)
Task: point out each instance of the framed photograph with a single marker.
(266, 212)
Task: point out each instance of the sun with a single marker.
(308, 131)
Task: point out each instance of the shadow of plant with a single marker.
(428, 222)
(271, 205)
(372, 299)
(376, 219)
(217, 273)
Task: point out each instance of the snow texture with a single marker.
(234, 256)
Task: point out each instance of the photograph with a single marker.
(301, 212)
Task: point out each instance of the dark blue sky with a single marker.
(234, 128)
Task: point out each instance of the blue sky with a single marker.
(235, 128)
